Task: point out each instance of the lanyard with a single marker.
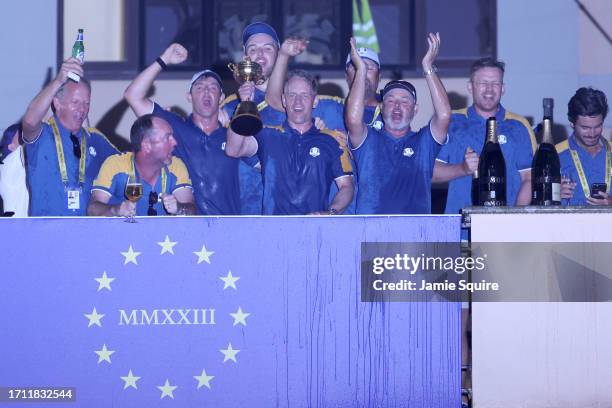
(376, 113)
(164, 177)
(581, 174)
(61, 159)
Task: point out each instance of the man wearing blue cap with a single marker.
(395, 164)
(201, 138)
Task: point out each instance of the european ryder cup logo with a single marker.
(92, 151)
(223, 146)
(188, 317)
(502, 139)
(315, 152)
(408, 152)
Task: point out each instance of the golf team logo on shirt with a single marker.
(315, 152)
(377, 125)
(223, 146)
(408, 152)
(502, 139)
(92, 151)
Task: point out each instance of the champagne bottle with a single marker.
(546, 168)
(78, 52)
(491, 170)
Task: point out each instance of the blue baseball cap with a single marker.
(7, 139)
(398, 84)
(259, 28)
(207, 73)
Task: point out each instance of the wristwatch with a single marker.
(333, 211)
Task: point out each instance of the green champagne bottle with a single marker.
(78, 52)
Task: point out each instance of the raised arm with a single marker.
(38, 108)
(136, 92)
(439, 98)
(290, 48)
(353, 113)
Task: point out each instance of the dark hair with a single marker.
(140, 129)
(487, 62)
(587, 102)
(307, 76)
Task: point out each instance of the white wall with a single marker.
(548, 46)
(29, 47)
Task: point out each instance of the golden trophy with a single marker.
(246, 120)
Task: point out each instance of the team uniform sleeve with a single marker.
(106, 177)
(178, 168)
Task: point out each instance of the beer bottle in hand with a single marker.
(78, 52)
(546, 168)
(491, 170)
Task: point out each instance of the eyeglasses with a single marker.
(153, 199)
(76, 146)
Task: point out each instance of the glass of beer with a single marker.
(133, 192)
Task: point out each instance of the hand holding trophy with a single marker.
(246, 120)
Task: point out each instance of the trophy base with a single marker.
(246, 124)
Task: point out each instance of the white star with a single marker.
(240, 317)
(203, 379)
(230, 281)
(167, 246)
(94, 318)
(104, 354)
(167, 389)
(104, 282)
(229, 353)
(204, 255)
(130, 256)
(130, 380)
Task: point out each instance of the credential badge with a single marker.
(377, 125)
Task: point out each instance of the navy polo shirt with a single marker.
(594, 167)
(299, 169)
(468, 128)
(394, 174)
(214, 175)
(48, 195)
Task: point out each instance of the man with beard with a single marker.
(299, 161)
(150, 162)
(200, 138)
(62, 157)
(372, 115)
(458, 160)
(395, 163)
(585, 156)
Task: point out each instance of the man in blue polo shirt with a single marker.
(166, 188)
(63, 158)
(201, 138)
(372, 115)
(299, 161)
(458, 160)
(586, 156)
(394, 164)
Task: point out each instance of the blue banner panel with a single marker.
(220, 312)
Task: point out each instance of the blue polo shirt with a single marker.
(594, 167)
(113, 178)
(213, 174)
(468, 128)
(299, 169)
(394, 174)
(48, 195)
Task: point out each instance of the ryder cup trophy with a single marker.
(246, 120)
